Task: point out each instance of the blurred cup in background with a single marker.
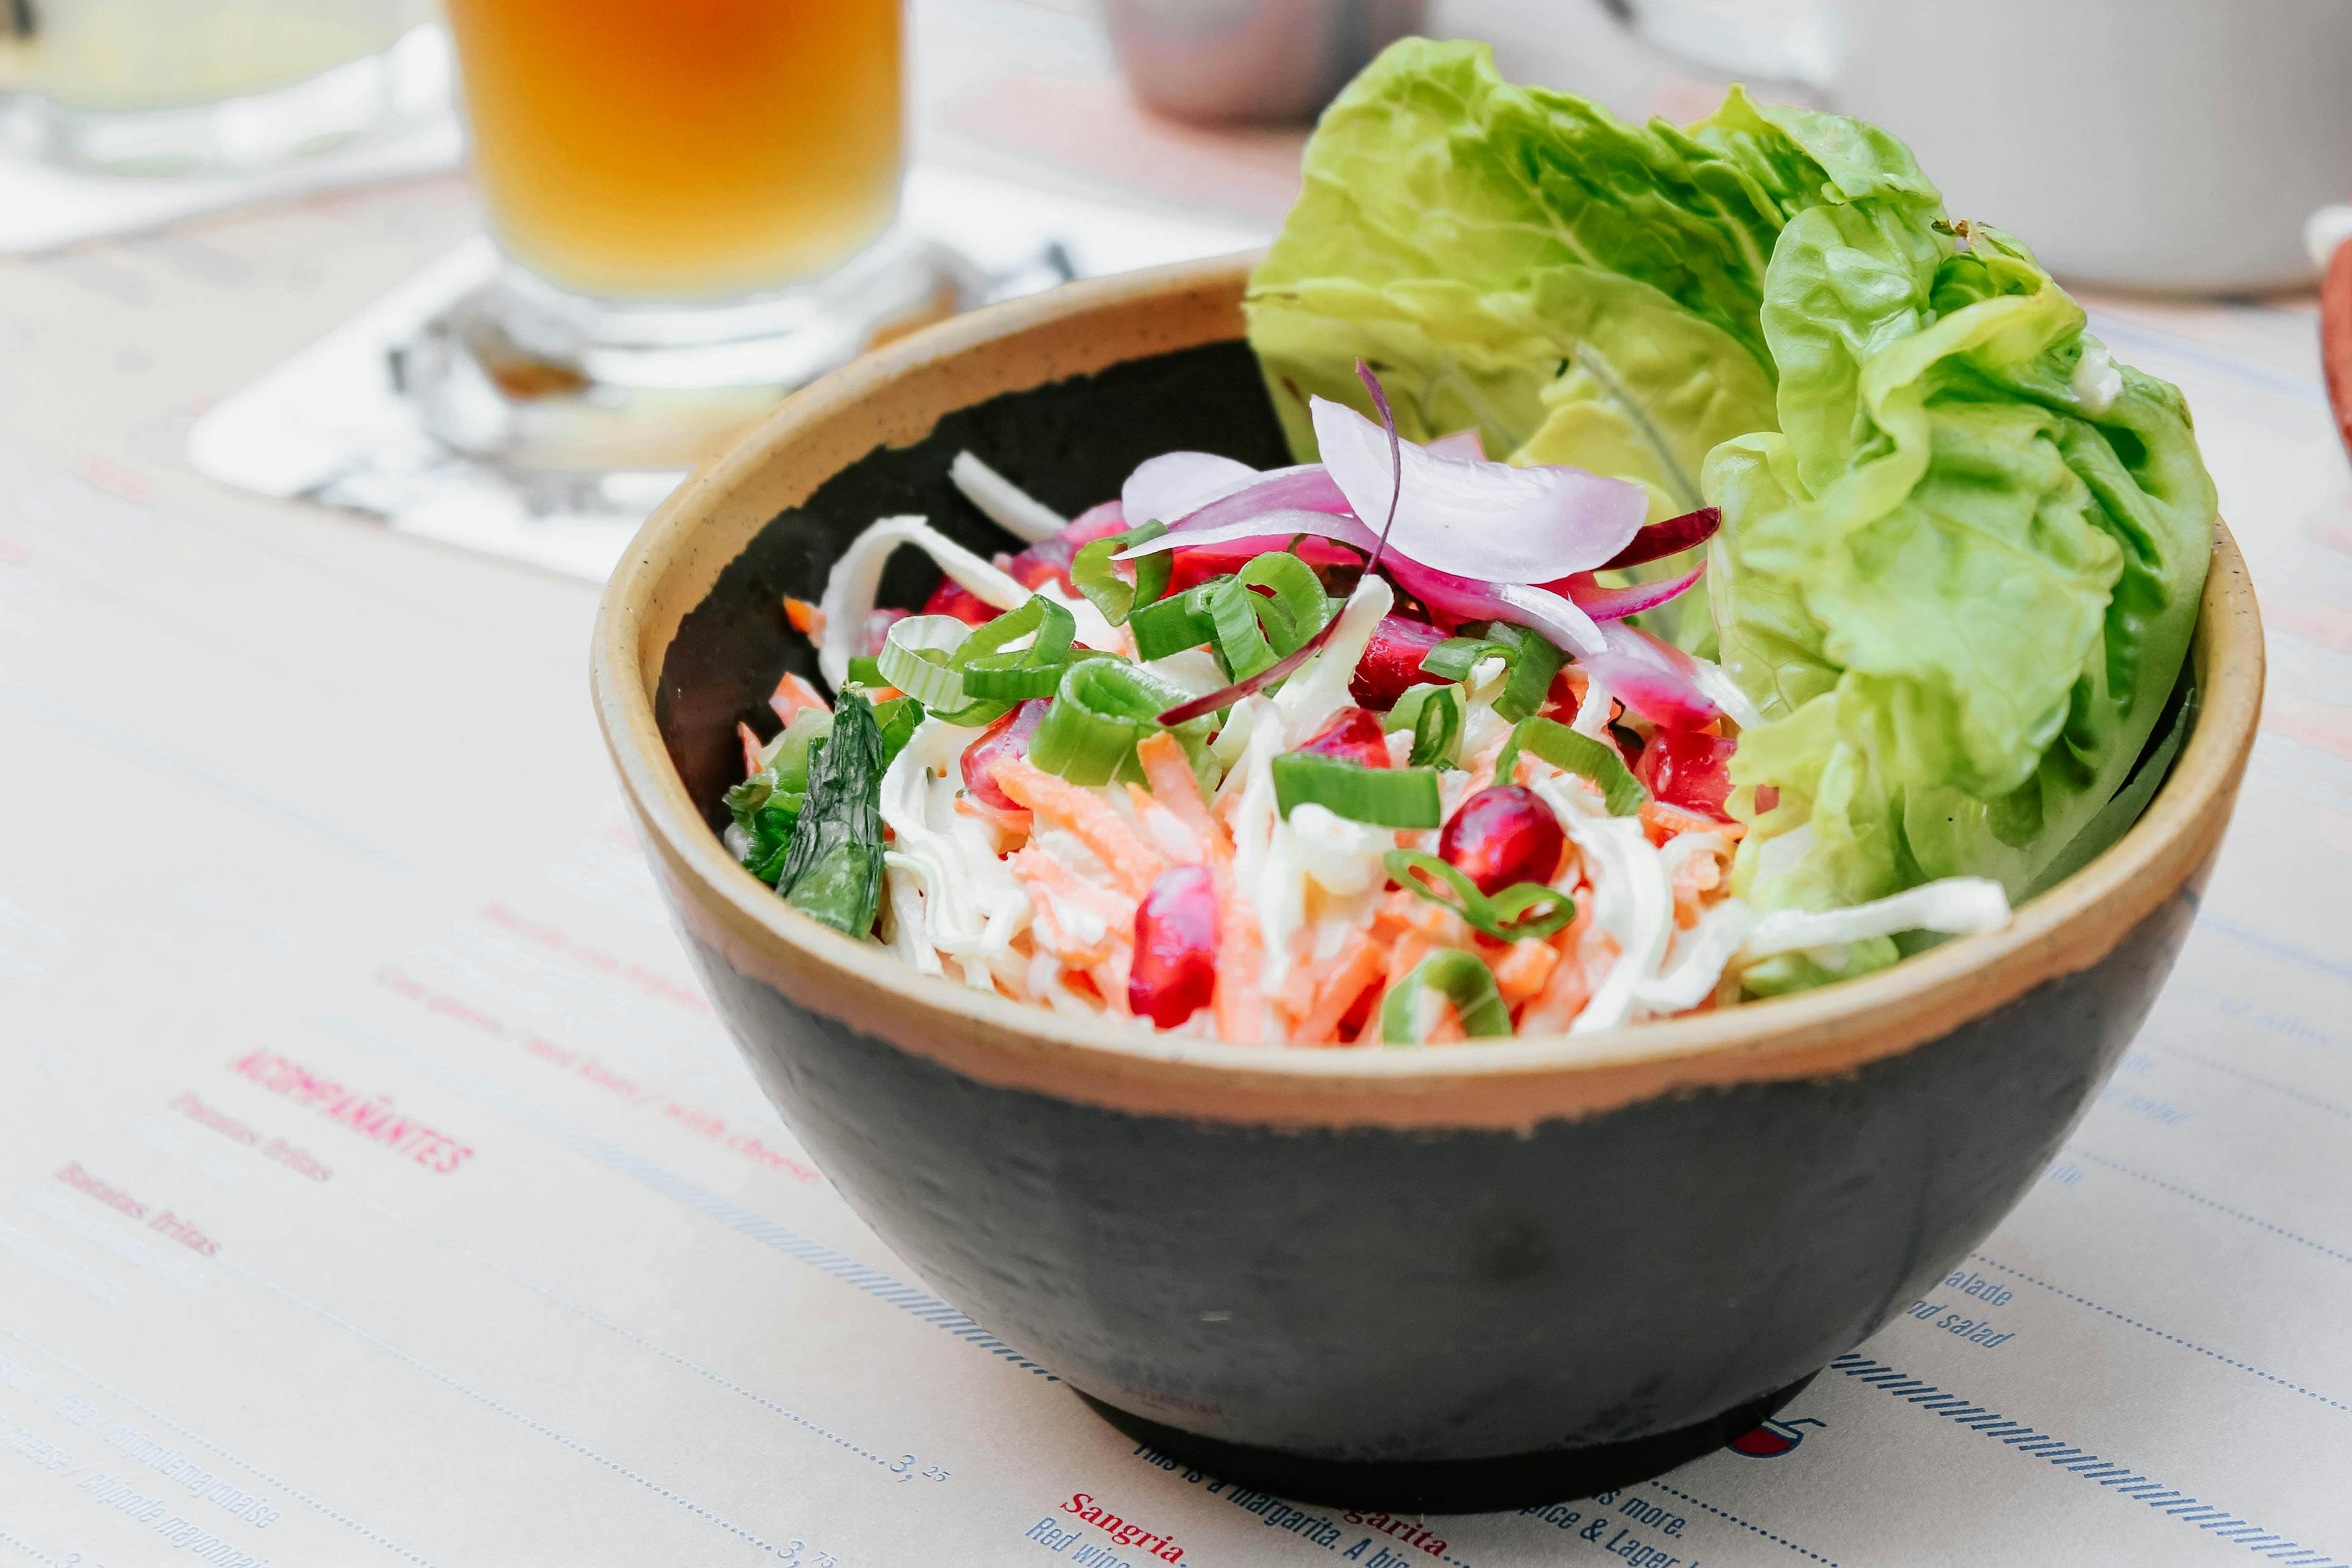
(166, 87)
(694, 203)
(2171, 145)
(1268, 62)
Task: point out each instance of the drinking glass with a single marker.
(165, 86)
(693, 203)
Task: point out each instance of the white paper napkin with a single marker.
(328, 424)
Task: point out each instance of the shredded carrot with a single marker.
(1662, 822)
(1522, 968)
(1174, 786)
(1169, 832)
(1241, 953)
(805, 617)
(1696, 876)
(1007, 824)
(744, 733)
(793, 694)
(1569, 986)
(1042, 876)
(1110, 978)
(1134, 863)
(1359, 965)
(1402, 912)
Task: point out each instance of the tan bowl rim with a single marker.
(1513, 1083)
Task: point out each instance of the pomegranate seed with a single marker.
(1391, 664)
(1502, 836)
(1175, 969)
(1687, 769)
(1352, 735)
(1001, 742)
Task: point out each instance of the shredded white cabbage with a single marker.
(1342, 857)
(856, 577)
(1956, 905)
(1632, 901)
(970, 905)
(1003, 502)
(1315, 692)
(1695, 964)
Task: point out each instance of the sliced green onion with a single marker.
(867, 672)
(1534, 662)
(1455, 657)
(1103, 708)
(1095, 576)
(1002, 678)
(1462, 980)
(1577, 754)
(1240, 642)
(1505, 917)
(1383, 797)
(1172, 624)
(916, 659)
(1054, 625)
(1434, 714)
(1297, 593)
(965, 674)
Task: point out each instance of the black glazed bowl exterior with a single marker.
(1475, 1277)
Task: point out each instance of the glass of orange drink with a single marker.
(693, 203)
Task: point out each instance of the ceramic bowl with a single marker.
(1472, 1276)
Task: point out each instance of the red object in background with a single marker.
(1773, 1439)
(2335, 337)
(1501, 836)
(1682, 767)
(1353, 735)
(1175, 969)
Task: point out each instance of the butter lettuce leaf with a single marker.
(1960, 582)
(1962, 549)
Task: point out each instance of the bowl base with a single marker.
(1450, 1485)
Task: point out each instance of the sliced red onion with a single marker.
(1662, 683)
(1556, 616)
(1662, 539)
(1279, 526)
(1615, 604)
(1174, 484)
(1494, 521)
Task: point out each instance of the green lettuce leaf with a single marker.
(1962, 551)
(1961, 580)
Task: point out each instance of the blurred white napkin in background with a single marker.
(44, 206)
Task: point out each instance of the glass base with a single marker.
(376, 94)
(531, 377)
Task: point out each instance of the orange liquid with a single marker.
(682, 149)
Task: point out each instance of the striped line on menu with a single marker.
(875, 1283)
(2120, 1479)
